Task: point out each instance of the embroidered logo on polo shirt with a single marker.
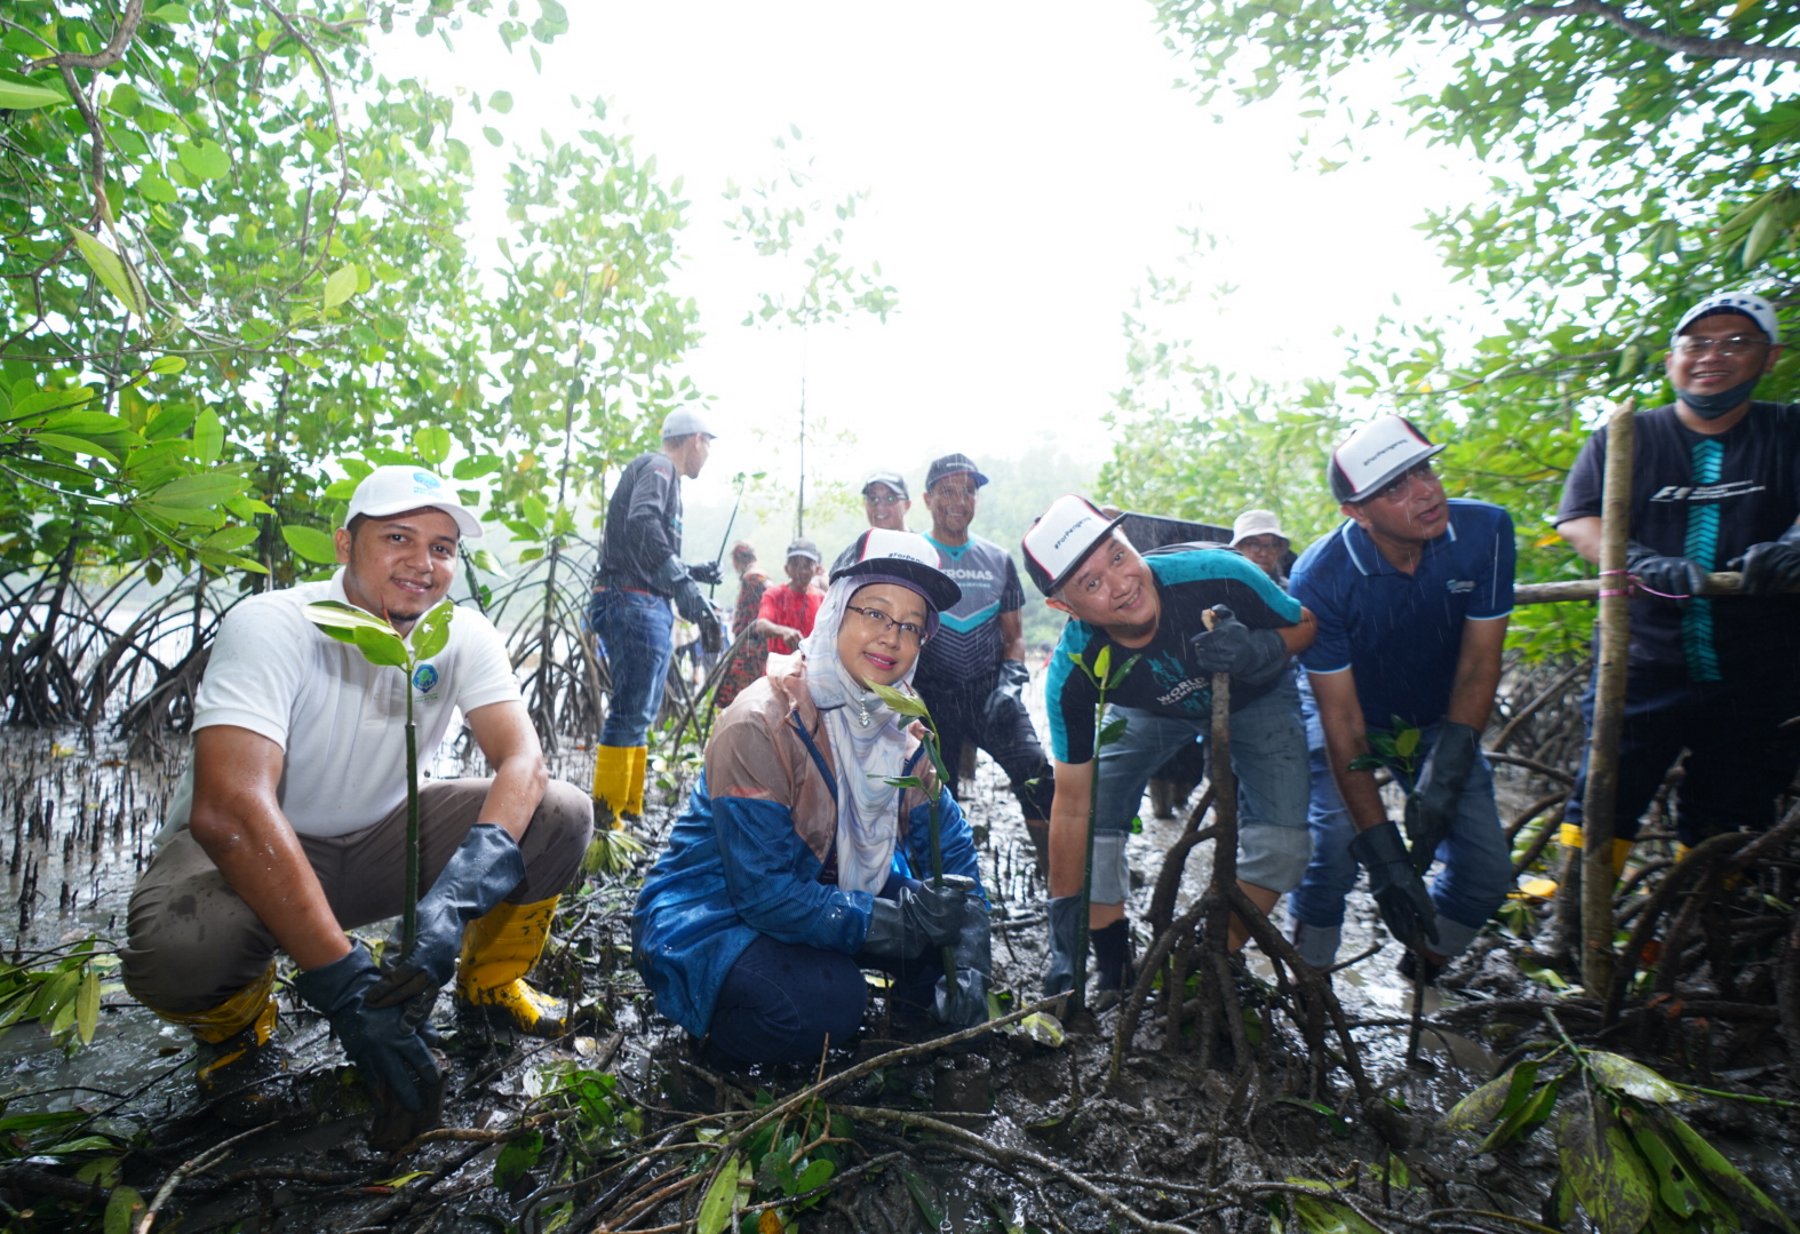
(425, 678)
(1459, 586)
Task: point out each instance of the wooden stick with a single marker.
(1609, 708)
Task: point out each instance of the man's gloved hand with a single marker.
(379, 1041)
(1671, 577)
(482, 871)
(1431, 807)
(1065, 933)
(692, 605)
(965, 1004)
(1773, 567)
(1007, 698)
(712, 634)
(1254, 657)
(705, 572)
(1399, 892)
(916, 918)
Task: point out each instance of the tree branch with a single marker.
(1696, 46)
(107, 56)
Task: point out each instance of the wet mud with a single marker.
(621, 1125)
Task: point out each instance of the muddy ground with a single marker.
(620, 1127)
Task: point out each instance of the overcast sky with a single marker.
(1028, 164)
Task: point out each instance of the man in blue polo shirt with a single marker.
(1158, 608)
(1412, 594)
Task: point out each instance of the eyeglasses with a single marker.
(1262, 544)
(879, 623)
(1397, 488)
(1728, 347)
(872, 499)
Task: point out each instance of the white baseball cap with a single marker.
(1374, 454)
(685, 422)
(1062, 538)
(1743, 303)
(397, 489)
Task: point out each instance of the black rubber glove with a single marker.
(1773, 567)
(1674, 578)
(1431, 807)
(712, 634)
(916, 918)
(1254, 657)
(705, 572)
(1065, 933)
(1007, 698)
(380, 1041)
(1398, 890)
(965, 1004)
(482, 871)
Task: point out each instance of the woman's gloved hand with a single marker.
(919, 916)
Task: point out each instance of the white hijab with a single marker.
(869, 744)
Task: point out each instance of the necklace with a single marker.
(863, 715)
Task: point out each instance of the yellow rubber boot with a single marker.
(634, 795)
(612, 784)
(234, 1059)
(1569, 836)
(498, 949)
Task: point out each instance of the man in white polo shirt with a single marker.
(289, 825)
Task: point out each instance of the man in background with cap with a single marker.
(972, 674)
(885, 505)
(788, 612)
(1187, 613)
(1257, 534)
(640, 571)
(1412, 592)
(1715, 485)
(289, 825)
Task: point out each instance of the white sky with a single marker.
(1028, 164)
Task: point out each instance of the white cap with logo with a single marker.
(396, 489)
(1062, 538)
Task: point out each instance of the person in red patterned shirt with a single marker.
(790, 610)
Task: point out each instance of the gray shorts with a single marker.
(192, 942)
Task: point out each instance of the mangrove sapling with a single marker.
(902, 703)
(1628, 1160)
(381, 644)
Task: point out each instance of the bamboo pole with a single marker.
(1609, 705)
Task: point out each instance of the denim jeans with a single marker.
(1268, 757)
(1473, 881)
(634, 629)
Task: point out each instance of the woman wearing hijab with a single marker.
(796, 863)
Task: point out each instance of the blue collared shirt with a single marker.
(1401, 634)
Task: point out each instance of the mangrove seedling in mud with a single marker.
(1628, 1160)
(381, 644)
(902, 703)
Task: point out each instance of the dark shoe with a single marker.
(1114, 971)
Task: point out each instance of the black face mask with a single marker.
(1712, 406)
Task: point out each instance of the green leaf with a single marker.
(310, 544)
(486, 562)
(721, 1198)
(1721, 1173)
(1406, 741)
(1110, 732)
(1319, 1215)
(87, 1006)
(1600, 1163)
(903, 781)
(1532, 1111)
(501, 101)
(383, 647)
(433, 630)
(814, 1176)
(493, 135)
(341, 285)
(900, 703)
(1482, 1106)
(515, 1160)
(123, 1207)
(432, 444)
(202, 491)
(168, 364)
(113, 272)
(204, 159)
(209, 436)
(1681, 1193)
(1627, 1076)
(18, 93)
(1102, 662)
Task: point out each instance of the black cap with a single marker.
(953, 465)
